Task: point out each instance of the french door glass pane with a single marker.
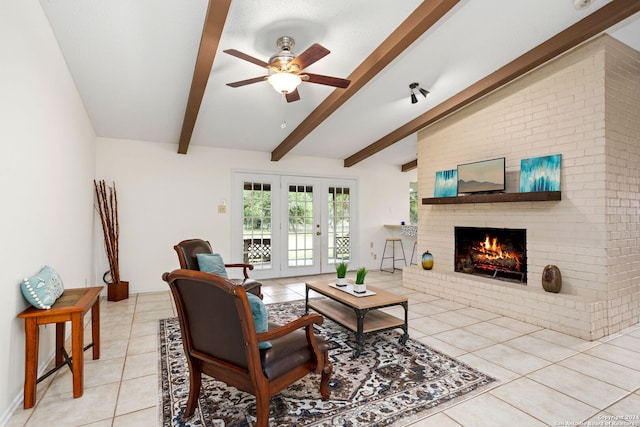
(256, 230)
(339, 219)
(300, 229)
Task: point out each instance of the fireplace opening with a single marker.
(499, 253)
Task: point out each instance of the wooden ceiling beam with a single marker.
(425, 15)
(593, 24)
(212, 31)
(409, 166)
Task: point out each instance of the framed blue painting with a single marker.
(540, 173)
(446, 183)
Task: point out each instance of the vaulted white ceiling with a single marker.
(133, 62)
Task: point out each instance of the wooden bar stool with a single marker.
(392, 257)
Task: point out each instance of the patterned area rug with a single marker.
(389, 384)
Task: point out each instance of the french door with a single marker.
(293, 225)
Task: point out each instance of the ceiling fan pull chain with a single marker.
(283, 125)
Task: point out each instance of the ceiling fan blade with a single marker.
(247, 82)
(309, 56)
(293, 96)
(326, 80)
(246, 57)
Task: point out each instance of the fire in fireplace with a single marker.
(500, 253)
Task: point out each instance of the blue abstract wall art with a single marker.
(540, 173)
(446, 183)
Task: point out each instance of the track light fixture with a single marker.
(413, 87)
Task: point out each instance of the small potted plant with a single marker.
(341, 272)
(359, 286)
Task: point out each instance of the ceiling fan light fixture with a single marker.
(284, 69)
(424, 92)
(414, 98)
(284, 82)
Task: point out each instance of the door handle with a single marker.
(318, 233)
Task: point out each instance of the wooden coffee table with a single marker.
(360, 314)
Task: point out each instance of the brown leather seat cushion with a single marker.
(288, 351)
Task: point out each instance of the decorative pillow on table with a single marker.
(212, 263)
(260, 317)
(43, 289)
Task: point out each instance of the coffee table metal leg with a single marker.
(405, 327)
(306, 300)
(360, 332)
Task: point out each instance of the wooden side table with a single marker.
(71, 306)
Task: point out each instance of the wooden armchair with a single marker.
(220, 340)
(188, 251)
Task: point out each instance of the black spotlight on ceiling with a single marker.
(413, 87)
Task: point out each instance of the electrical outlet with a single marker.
(222, 208)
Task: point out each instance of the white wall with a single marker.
(165, 197)
(46, 172)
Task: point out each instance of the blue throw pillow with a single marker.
(212, 263)
(43, 289)
(260, 317)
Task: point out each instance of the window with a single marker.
(413, 202)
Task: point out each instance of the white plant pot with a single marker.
(360, 288)
(341, 281)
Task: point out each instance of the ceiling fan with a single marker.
(286, 69)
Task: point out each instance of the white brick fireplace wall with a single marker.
(585, 106)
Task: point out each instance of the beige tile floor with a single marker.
(546, 378)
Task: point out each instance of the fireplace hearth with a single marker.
(499, 253)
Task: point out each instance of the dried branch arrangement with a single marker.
(108, 209)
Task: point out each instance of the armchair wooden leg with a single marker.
(326, 375)
(262, 409)
(195, 381)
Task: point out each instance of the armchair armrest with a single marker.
(305, 321)
(244, 267)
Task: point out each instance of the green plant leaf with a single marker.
(360, 274)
